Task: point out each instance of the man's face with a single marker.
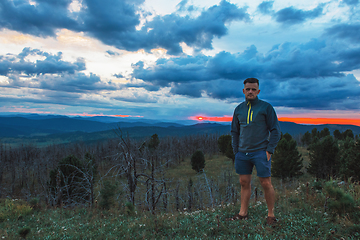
(251, 90)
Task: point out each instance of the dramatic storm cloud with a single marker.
(51, 64)
(312, 62)
(164, 59)
(114, 23)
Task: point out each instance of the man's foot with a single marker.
(271, 221)
(237, 217)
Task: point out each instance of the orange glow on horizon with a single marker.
(212, 119)
(101, 115)
(342, 121)
(315, 121)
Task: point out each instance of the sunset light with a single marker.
(314, 121)
(342, 121)
(147, 67)
(212, 119)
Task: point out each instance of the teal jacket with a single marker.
(255, 127)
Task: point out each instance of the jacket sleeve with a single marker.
(235, 133)
(274, 129)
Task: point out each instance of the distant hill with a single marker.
(24, 127)
(296, 129)
(62, 129)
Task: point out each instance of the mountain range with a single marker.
(62, 129)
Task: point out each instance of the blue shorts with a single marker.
(244, 163)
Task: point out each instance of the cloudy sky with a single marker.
(175, 60)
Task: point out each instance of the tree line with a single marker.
(331, 156)
(132, 172)
(67, 175)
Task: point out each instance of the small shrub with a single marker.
(24, 232)
(35, 203)
(317, 186)
(198, 161)
(225, 146)
(223, 143)
(339, 202)
(107, 194)
(129, 208)
(14, 208)
(70, 181)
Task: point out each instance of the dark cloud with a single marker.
(57, 98)
(351, 2)
(345, 31)
(330, 93)
(174, 70)
(50, 73)
(311, 60)
(52, 64)
(292, 15)
(266, 7)
(76, 83)
(41, 19)
(293, 68)
(114, 23)
(108, 20)
(188, 89)
(170, 30)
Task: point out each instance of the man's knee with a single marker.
(266, 182)
(245, 181)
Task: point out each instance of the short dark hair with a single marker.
(251, 80)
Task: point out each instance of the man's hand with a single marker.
(268, 155)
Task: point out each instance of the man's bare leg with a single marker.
(269, 194)
(245, 182)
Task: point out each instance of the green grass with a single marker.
(300, 210)
(214, 165)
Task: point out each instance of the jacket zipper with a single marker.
(250, 114)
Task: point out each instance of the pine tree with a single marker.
(337, 134)
(286, 160)
(306, 139)
(223, 143)
(350, 159)
(324, 158)
(225, 146)
(198, 161)
(154, 142)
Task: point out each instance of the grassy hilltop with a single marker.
(303, 207)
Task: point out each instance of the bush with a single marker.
(14, 208)
(339, 202)
(154, 142)
(129, 208)
(286, 160)
(223, 143)
(225, 146)
(198, 161)
(107, 194)
(72, 181)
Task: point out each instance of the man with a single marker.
(255, 133)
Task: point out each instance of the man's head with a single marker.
(251, 88)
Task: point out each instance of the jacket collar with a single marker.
(252, 102)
